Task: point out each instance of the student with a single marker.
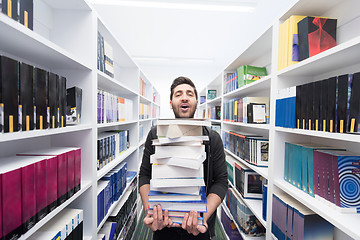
(183, 102)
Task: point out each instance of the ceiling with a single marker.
(167, 42)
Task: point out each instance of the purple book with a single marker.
(77, 153)
(51, 182)
(41, 189)
(71, 173)
(316, 160)
(11, 203)
(28, 196)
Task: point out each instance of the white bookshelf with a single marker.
(64, 41)
(342, 59)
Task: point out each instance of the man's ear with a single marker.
(170, 105)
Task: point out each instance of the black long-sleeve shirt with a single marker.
(215, 173)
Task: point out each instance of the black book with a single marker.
(62, 102)
(10, 89)
(27, 13)
(10, 8)
(331, 110)
(316, 105)
(74, 100)
(53, 100)
(323, 104)
(303, 104)
(298, 107)
(217, 112)
(41, 96)
(26, 97)
(256, 113)
(342, 102)
(354, 106)
(309, 106)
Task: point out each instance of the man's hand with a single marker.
(158, 220)
(190, 224)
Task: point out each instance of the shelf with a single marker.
(109, 84)
(145, 120)
(142, 142)
(85, 185)
(115, 162)
(37, 50)
(263, 171)
(104, 125)
(326, 61)
(249, 125)
(145, 100)
(328, 135)
(214, 101)
(252, 88)
(5, 137)
(215, 120)
(254, 205)
(243, 235)
(348, 223)
(122, 198)
(133, 210)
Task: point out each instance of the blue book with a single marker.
(130, 175)
(157, 196)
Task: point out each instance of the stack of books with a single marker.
(177, 182)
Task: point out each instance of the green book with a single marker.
(248, 74)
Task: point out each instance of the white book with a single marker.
(180, 162)
(174, 213)
(184, 121)
(168, 171)
(179, 151)
(190, 140)
(176, 182)
(182, 190)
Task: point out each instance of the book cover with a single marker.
(191, 152)
(108, 59)
(303, 97)
(293, 40)
(27, 13)
(41, 190)
(74, 102)
(256, 113)
(316, 35)
(283, 46)
(11, 202)
(77, 170)
(298, 107)
(309, 106)
(157, 196)
(10, 87)
(211, 94)
(259, 100)
(41, 97)
(342, 91)
(26, 97)
(316, 106)
(353, 118)
(323, 105)
(194, 190)
(10, 8)
(53, 100)
(331, 105)
(28, 196)
(51, 182)
(62, 101)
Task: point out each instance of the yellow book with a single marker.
(283, 44)
(293, 29)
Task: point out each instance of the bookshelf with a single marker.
(64, 41)
(338, 60)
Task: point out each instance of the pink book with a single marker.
(52, 182)
(10, 176)
(336, 181)
(316, 159)
(28, 196)
(41, 189)
(77, 169)
(71, 172)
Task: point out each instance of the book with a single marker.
(74, 102)
(180, 162)
(10, 87)
(41, 97)
(331, 105)
(27, 13)
(62, 102)
(156, 196)
(316, 34)
(108, 59)
(173, 213)
(248, 74)
(185, 140)
(256, 113)
(176, 182)
(191, 152)
(354, 101)
(199, 206)
(26, 98)
(10, 8)
(180, 127)
(194, 190)
(52, 99)
(248, 182)
(168, 171)
(293, 40)
(211, 94)
(343, 93)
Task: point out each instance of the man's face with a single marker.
(184, 101)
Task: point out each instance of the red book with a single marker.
(10, 178)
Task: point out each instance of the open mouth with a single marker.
(184, 107)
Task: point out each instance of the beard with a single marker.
(179, 114)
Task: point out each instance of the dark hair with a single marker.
(182, 80)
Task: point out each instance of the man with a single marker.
(183, 102)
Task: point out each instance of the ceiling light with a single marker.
(227, 6)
